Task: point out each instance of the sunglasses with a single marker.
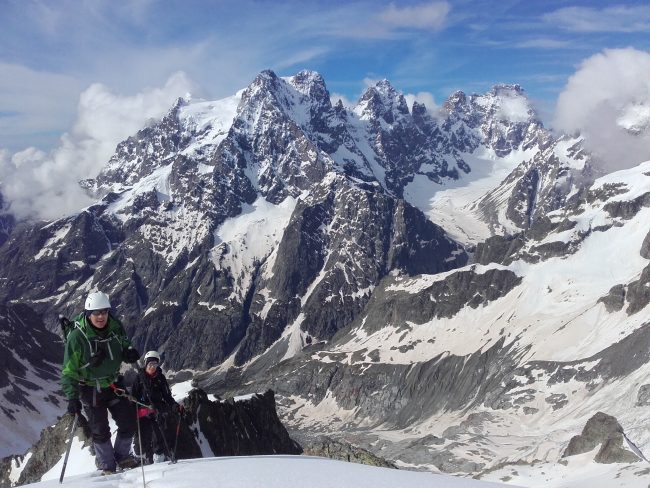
(99, 312)
(152, 364)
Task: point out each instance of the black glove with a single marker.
(97, 358)
(74, 406)
(130, 355)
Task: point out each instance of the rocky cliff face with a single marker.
(31, 357)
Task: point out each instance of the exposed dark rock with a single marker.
(501, 249)
(638, 292)
(615, 299)
(530, 197)
(443, 298)
(557, 400)
(605, 430)
(324, 446)
(605, 192)
(626, 209)
(645, 247)
(29, 374)
(612, 451)
(240, 428)
(615, 361)
(7, 221)
(643, 396)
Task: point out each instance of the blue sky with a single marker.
(82, 74)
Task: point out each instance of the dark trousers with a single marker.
(97, 404)
(151, 437)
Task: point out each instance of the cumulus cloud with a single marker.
(607, 100)
(430, 15)
(45, 185)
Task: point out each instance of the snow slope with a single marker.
(255, 472)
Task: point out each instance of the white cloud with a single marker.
(426, 16)
(368, 82)
(606, 100)
(45, 185)
(545, 43)
(611, 19)
(335, 97)
(425, 98)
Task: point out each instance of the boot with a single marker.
(145, 459)
(123, 454)
(104, 456)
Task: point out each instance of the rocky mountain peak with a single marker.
(504, 102)
(504, 89)
(382, 101)
(140, 155)
(310, 83)
(456, 102)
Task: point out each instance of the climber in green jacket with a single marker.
(96, 345)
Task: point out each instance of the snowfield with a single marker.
(257, 472)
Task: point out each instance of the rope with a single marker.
(121, 392)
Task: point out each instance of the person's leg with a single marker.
(124, 414)
(97, 415)
(160, 445)
(146, 438)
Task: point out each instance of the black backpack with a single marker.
(66, 326)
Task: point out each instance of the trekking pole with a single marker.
(67, 452)
(178, 429)
(137, 417)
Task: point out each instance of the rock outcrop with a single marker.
(605, 430)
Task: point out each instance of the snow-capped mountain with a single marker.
(436, 274)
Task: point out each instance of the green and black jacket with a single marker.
(82, 342)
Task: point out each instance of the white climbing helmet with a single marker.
(97, 300)
(151, 356)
